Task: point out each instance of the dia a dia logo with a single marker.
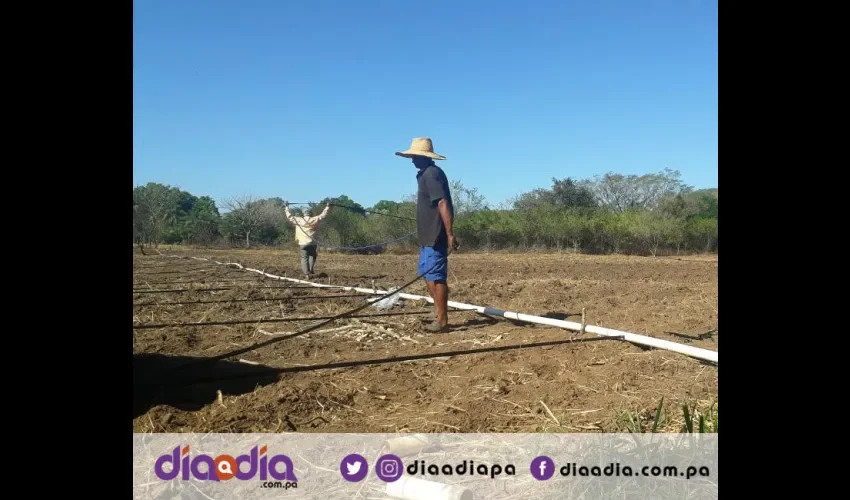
(224, 467)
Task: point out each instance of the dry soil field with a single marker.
(607, 385)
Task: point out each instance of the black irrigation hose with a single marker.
(160, 272)
(162, 263)
(275, 320)
(181, 290)
(172, 270)
(182, 271)
(355, 209)
(304, 331)
(377, 213)
(198, 282)
(365, 362)
(148, 264)
(172, 265)
(258, 299)
(194, 270)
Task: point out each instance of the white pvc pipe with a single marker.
(406, 446)
(413, 488)
(696, 352)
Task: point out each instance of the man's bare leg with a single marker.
(441, 298)
(433, 293)
(439, 291)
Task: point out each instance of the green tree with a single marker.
(704, 230)
(465, 201)
(154, 211)
(202, 221)
(615, 213)
(621, 193)
(652, 230)
(249, 216)
(567, 193)
(344, 225)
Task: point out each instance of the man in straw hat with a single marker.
(434, 218)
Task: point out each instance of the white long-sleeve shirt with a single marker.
(305, 227)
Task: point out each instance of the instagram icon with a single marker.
(389, 468)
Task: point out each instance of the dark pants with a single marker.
(308, 258)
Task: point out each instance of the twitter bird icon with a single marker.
(354, 468)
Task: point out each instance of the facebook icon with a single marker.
(542, 468)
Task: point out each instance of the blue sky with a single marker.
(304, 100)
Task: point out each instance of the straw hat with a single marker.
(421, 146)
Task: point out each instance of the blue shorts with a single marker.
(436, 257)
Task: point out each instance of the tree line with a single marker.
(647, 214)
